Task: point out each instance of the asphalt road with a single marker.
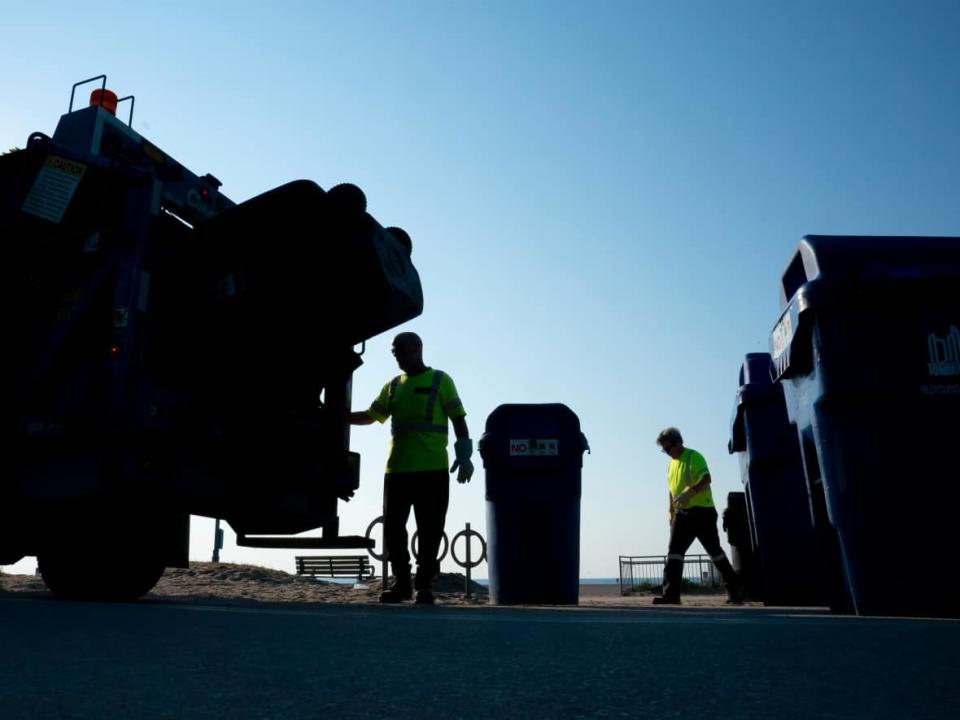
(168, 660)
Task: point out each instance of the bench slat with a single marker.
(335, 566)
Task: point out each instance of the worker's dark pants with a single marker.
(428, 494)
(696, 523)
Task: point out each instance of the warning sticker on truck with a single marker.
(53, 189)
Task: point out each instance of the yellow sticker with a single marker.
(53, 189)
(68, 167)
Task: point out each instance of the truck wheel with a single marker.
(72, 574)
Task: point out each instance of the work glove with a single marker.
(681, 499)
(463, 449)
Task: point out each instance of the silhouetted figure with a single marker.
(693, 516)
(419, 404)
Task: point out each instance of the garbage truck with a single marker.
(171, 352)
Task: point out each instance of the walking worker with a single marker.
(693, 516)
(419, 404)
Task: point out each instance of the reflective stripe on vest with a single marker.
(392, 392)
(432, 400)
(427, 425)
(397, 428)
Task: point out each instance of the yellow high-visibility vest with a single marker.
(419, 407)
(686, 471)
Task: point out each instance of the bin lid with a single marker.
(844, 259)
(540, 418)
(547, 430)
(756, 385)
(756, 370)
(826, 269)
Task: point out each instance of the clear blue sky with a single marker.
(602, 195)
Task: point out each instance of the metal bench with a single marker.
(357, 566)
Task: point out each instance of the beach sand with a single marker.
(241, 584)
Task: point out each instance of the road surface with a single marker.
(156, 659)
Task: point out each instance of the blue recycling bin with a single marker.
(867, 347)
(533, 456)
(775, 487)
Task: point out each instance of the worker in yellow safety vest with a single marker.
(693, 516)
(419, 404)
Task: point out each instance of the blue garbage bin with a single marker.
(777, 501)
(868, 349)
(533, 455)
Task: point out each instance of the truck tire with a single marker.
(72, 573)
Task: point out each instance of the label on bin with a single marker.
(944, 353)
(943, 363)
(532, 447)
(782, 335)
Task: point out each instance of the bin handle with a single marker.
(585, 444)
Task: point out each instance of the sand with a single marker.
(228, 583)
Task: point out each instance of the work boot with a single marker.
(425, 597)
(666, 600)
(400, 590)
(735, 595)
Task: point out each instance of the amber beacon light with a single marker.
(107, 99)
